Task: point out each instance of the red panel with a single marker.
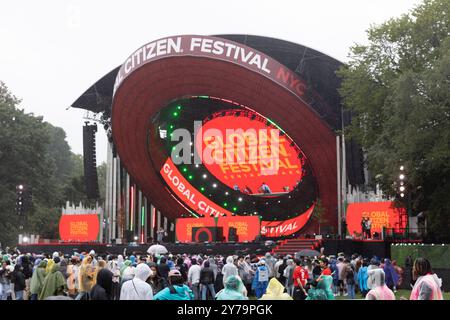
(248, 228)
(183, 227)
(382, 214)
(154, 85)
(79, 227)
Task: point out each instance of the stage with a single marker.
(258, 248)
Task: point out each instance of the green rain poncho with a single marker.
(323, 290)
(54, 283)
(37, 280)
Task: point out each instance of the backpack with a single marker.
(263, 275)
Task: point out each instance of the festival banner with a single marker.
(286, 227)
(79, 227)
(382, 214)
(247, 227)
(183, 227)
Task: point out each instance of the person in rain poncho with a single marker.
(428, 285)
(54, 282)
(37, 280)
(127, 271)
(323, 290)
(261, 279)
(233, 290)
(49, 266)
(379, 289)
(137, 288)
(391, 274)
(85, 277)
(229, 269)
(275, 291)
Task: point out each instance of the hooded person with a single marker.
(275, 291)
(133, 260)
(137, 288)
(233, 289)
(176, 290)
(85, 278)
(102, 290)
(49, 266)
(120, 261)
(54, 282)
(323, 289)
(37, 280)
(391, 275)
(127, 272)
(377, 285)
(261, 279)
(229, 269)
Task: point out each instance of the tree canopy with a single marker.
(35, 153)
(397, 87)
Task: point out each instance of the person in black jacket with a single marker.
(207, 280)
(18, 278)
(163, 268)
(183, 268)
(103, 288)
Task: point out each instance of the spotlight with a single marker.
(196, 165)
(226, 193)
(401, 177)
(25, 239)
(214, 185)
(240, 199)
(402, 194)
(204, 176)
(136, 237)
(402, 188)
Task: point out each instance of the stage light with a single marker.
(25, 239)
(171, 126)
(279, 201)
(225, 204)
(184, 169)
(214, 185)
(175, 114)
(179, 107)
(234, 208)
(20, 187)
(402, 195)
(401, 177)
(402, 167)
(240, 199)
(226, 193)
(136, 237)
(196, 165)
(190, 177)
(202, 189)
(204, 176)
(402, 188)
(255, 213)
(190, 143)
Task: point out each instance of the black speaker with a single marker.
(232, 235)
(129, 236)
(90, 161)
(210, 234)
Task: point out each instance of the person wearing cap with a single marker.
(176, 290)
(137, 288)
(261, 279)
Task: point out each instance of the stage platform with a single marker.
(258, 248)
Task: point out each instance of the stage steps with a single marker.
(291, 246)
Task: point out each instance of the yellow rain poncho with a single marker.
(275, 291)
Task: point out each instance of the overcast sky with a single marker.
(52, 51)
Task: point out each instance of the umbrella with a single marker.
(157, 249)
(307, 253)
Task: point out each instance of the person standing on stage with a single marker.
(160, 235)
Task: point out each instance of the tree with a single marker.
(319, 214)
(397, 87)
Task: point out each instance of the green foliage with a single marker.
(398, 88)
(35, 153)
(319, 213)
(438, 255)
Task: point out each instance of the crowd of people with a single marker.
(89, 276)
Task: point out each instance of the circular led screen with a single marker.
(249, 154)
(223, 158)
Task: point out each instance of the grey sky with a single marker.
(52, 51)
